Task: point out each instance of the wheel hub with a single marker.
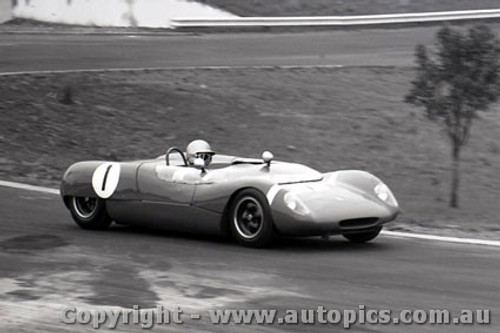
(85, 207)
(248, 217)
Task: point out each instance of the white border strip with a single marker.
(171, 68)
(335, 21)
(27, 187)
(458, 240)
(468, 241)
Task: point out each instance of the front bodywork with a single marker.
(342, 202)
(302, 201)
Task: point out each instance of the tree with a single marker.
(454, 81)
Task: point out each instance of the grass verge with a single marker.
(330, 119)
(344, 7)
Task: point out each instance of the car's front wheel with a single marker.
(89, 213)
(363, 237)
(250, 219)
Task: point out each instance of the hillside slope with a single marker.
(329, 119)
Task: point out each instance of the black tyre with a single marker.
(363, 237)
(89, 213)
(250, 219)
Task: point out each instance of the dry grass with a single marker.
(329, 119)
(344, 7)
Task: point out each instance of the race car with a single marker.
(252, 199)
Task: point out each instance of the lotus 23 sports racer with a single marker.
(251, 199)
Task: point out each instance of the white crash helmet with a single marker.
(199, 149)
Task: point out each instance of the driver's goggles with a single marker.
(204, 156)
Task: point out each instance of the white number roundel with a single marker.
(105, 179)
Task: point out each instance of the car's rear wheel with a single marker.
(89, 213)
(363, 237)
(250, 218)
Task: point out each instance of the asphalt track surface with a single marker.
(47, 262)
(374, 47)
(346, 48)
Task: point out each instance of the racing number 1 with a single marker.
(105, 179)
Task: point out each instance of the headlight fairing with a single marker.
(384, 193)
(295, 204)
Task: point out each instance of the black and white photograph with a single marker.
(250, 166)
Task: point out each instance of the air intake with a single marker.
(354, 224)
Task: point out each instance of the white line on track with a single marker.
(180, 68)
(468, 241)
(27, 187)
(458, 240)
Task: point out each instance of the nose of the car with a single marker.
(328, 203)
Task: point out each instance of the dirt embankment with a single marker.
(330, 119)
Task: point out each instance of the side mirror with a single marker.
(199, 164)
(267, 157)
